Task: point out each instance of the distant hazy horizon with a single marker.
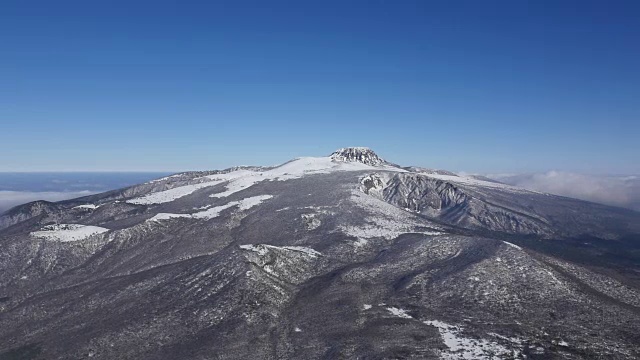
(21, 187)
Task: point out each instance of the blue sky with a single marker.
(476, 86)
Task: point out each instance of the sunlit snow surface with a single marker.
(512, 245)
(171, 194)
(263, 249)
(242, 179)
(399, 312)
(292, 170)
(461, 347)
(477, 182)
(384, 221)
(215, 211)
(68, 232)
(86, 207)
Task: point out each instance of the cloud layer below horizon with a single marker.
(621, 191)
(9, 199)
(20, 188)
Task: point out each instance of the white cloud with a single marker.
(9, 199)
(622, 191)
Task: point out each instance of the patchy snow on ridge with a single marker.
(291, 170)
(461, 347)
(87, 207)
(164, 178)
(512, 245)
(401, 313)
(68, 232)
(165, 196)
(213, 212)
(384, 221)
(360, 243)
(241, 179)
(167, 216)
(467, 180)
(262, 249)
(305, 250)
(248, 203)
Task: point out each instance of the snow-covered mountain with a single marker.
(344, 256)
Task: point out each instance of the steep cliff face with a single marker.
(451, 203)
(357, 154)
(479, 205)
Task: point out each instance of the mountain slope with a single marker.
(334, 257)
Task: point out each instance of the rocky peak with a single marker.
(357, 154)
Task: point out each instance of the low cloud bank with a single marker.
(622, 191)
(9, 199)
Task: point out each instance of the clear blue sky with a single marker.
(478, 86)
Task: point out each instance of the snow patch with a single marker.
(168, 216)
(308, 251)
(262, 249)
(471, 181)
(385, 220)
(87, 207)
(240, 180)
(461, 347)
(399, 313)
(68, 232)
(213, 212)
(512, 245)
(164, 178)
(311, 222)
(360, 243)
(171, 194)
(248, 203)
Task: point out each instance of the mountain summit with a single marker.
(341, 256)
(362, 155)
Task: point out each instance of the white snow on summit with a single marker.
(293, 170)
(357, 154)
(346, 159)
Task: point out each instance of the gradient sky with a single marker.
(476, 86)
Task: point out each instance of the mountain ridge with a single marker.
(321, 257)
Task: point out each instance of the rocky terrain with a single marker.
(337, 257)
